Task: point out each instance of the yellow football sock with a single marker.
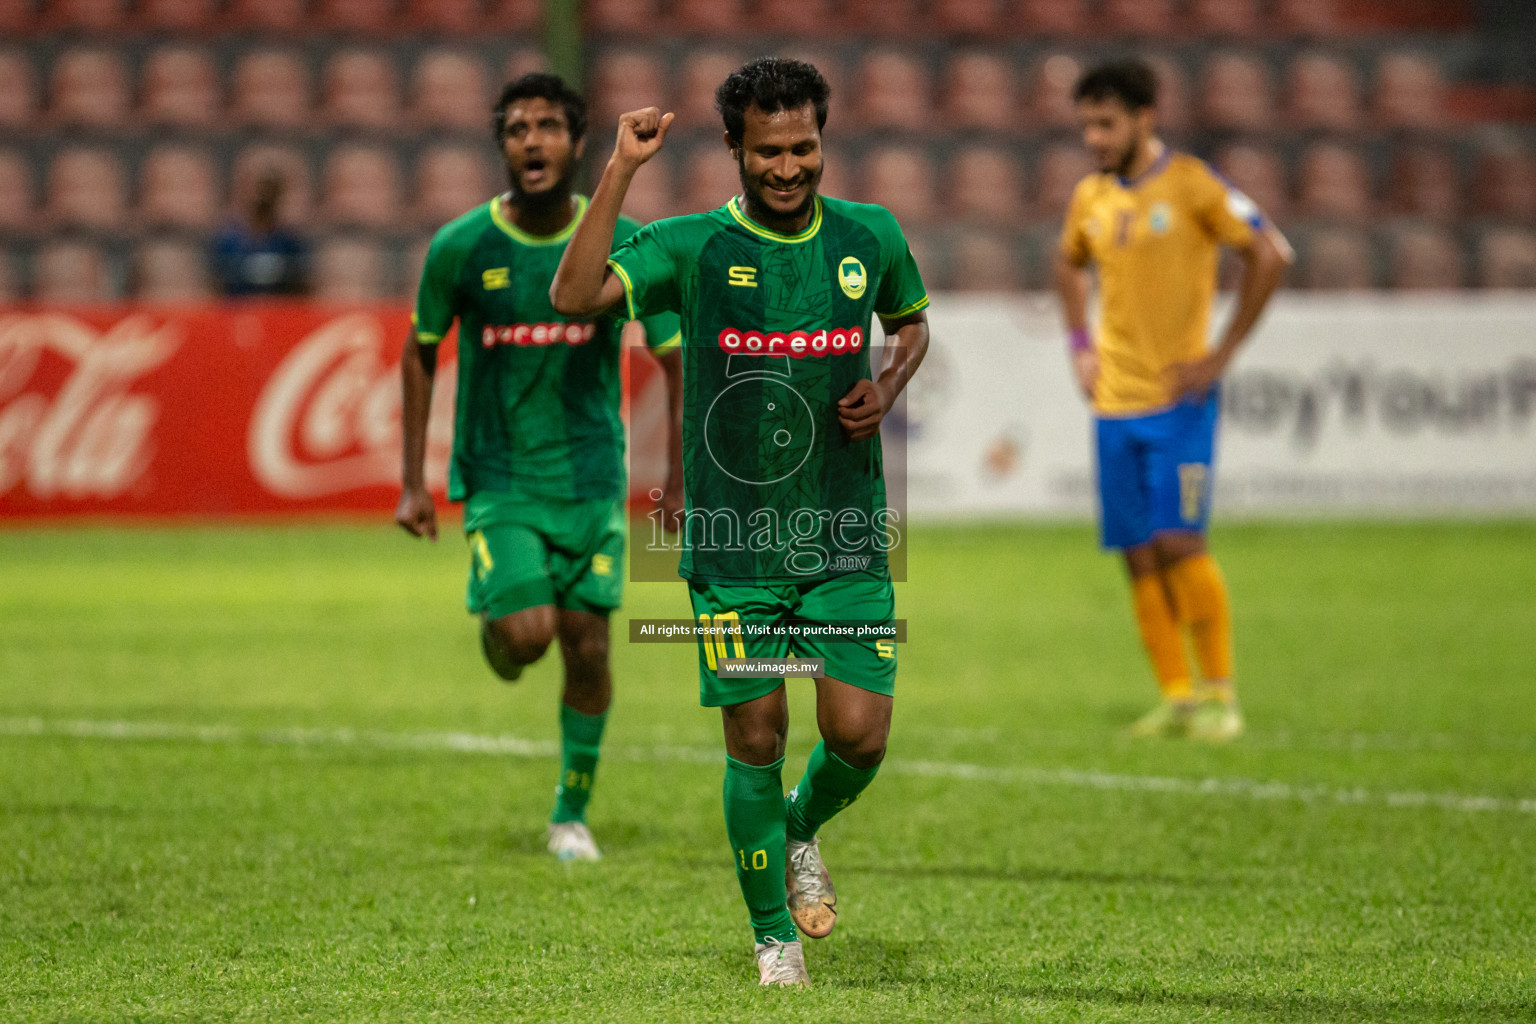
(1200, 600)
(1160, 633)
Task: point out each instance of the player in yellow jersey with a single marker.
(1152, 223)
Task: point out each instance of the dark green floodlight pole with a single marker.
(562, 38)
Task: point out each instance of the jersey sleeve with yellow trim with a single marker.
(646, 263)
(663, 330)
(901, 292)
(437, 294)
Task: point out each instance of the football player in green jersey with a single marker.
(538, 445)
(786, 519)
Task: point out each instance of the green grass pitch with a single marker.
(261, 774)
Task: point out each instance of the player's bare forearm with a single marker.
(861, 410)
(584, 285)
(418, 370)
(1072, 290)
(1264, 266)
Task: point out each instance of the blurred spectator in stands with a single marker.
(257, 255)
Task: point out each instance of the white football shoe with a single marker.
(572, 840)
(812, 900)
(781, 963)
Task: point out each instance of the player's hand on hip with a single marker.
(641, 133)
(1195, 379)
(1085, 366)
(861, 410)
(416, 513)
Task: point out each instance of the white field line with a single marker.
(514, 746)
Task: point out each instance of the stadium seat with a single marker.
(1410, 92)
(1336, 259)
(1260, 173)
(1062, 165)
(1322, 93)
(901, 179)
(350, 270)
(1050, 101)
(837, 173)
(830, 63)
(624, 18)
(794, 17)
(271, 90)
(360, 90)
(881, 18)
(361, 188)
(1235, 92)
(708, 17)
(709, 178)
(450, 180)
(18, 18)
(931, 255)
(97, 17)
(18, 197)
(986, 261)
(1506, 258)
(89, 90)
(1333, 183)
(178, 187)
(1173, 113)
(443, 17)
(70, 272)
(277, 16)
(625, 80)
(449, 91)
(259, 161)
(986, 187)
(519, 63)
(979, 92)
(1422, 257)
(412, 264)
(514, 16)
(86, 190)
(10, 279)
(1142, 19)
(18, 92)
(650, 193)
(356, 17)
(180, 89)
(1314, 19)
(966, 18)
(1228, 19)
(1504, 183)
(170, 271)
(700, 75)
(1058, 18)
(893, 91)
(1424, 182)
(177, 16)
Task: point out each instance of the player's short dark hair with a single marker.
(540, 85)
(770, 84)
(1129, 80)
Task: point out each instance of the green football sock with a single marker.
(829, 785)
(754, 821)
(581, 736)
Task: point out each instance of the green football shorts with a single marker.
(524, 553)
(862, 597)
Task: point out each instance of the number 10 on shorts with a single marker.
(713, 632)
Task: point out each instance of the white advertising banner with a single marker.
(1389, 405)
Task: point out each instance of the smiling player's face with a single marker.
(1113, 133)
(536, 140)
(780, 162)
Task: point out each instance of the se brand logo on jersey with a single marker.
(743, 277)
(851, 276)
(538, 334)
(797, 344)
(496, 277)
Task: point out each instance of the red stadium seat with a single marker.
(365, 17)
(359, 90)
(901, 179)
(99, 17)
(650, 193)
(623, 17)
(445, 17)
(1506, 258)
(18, 92)
(18, 17)
(625, 80)
(18, 197)
(1144, 19)
(521, 16)
(170, 271)
(1424, 258)
(710, 178)
(180, 89)
(1173, 113)
(415, 261)
(967, 18)
(285, 16)
(1424, 182)
(1336, 259)
(1050, 94)
(450, 180)
(709, 17)
(1059, 18)
(830, 64)
(261, 161)
(1259, 172)
(1322, 92)
(361, 188)
(1224, 18)
(1332, 183)
(271, 90)
(1316, 19)
(836, 174)
(520, 63)
(1061, 167)
(986, 261)
(701, 73)
(449, 90)
(90, 90)
(882, 17)
(68, 272)
(1504, 183)
(179, 188)
(794, 17)
(10, 279)
(350, 270)
(986, 187)
(1410, 92)
(86, 189)
(1236, 93)
(177, 16)
(979, 91)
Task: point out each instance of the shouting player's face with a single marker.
(779, 157)
(536, 140)
(1113, 133)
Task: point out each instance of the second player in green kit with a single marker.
(538, 443)
(786, 521)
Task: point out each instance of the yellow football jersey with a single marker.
(1155, 241)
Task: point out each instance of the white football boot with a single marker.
(781, 963)
(572, 840)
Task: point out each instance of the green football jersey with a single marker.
(538, 393)
(776, 329)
